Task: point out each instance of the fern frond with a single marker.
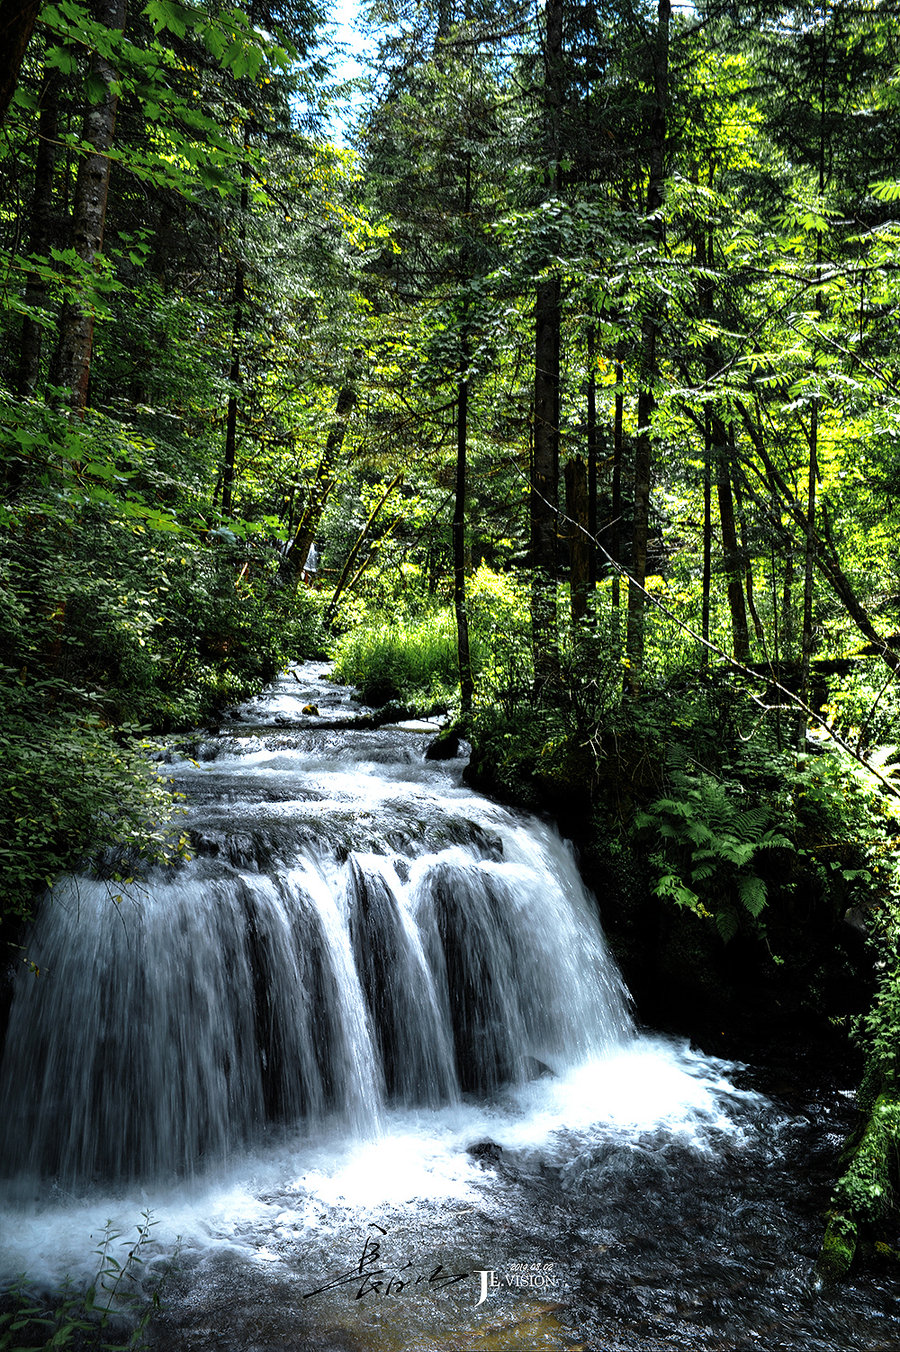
(752, 892)
(750, 824)
(698, 832)
(737, 852)
(678, 807)
(773, 840)
(726, 924)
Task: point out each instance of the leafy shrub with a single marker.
(878, 1032)
(414, 661)
(74, 785)
(500, 629)
(864, 709)
(109, 630)
(520, 752)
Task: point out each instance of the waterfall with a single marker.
(375, 1014)
(355, 931)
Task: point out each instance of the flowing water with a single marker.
(368, 1063)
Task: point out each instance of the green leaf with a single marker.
(62, 58)
(752, 892)
(167, 14)
(726, 924)
(886, 190)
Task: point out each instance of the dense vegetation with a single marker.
(580, 367)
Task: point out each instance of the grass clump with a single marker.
(411, 661)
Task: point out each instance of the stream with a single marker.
(370, 1071)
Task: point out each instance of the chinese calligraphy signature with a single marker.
(373, 1276)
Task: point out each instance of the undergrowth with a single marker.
(111, 1313)
(106, 638)
(756, 856)
(411, 661)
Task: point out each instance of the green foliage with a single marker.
(846, 828)
(414, 659)
(865, 709)
(410, 661)
(865, 1197)
(710, 851)
(519, 746)
(500, 629)
(545, 748)
(111, 628)
(111, 1314)
(74, 787)
(879, 1034)
(866, 1190)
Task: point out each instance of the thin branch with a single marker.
(733, 662)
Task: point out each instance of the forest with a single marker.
(568, 337)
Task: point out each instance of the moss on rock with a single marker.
(865, 1194)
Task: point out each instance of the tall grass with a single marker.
(414, 661)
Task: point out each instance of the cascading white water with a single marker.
(356, 931)
(377, 1005)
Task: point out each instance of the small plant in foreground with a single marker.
(112, 1314)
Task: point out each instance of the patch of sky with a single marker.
(349, 63)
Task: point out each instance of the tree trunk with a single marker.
(326, 478)
(776, 643)
(705, 302)
(809, 554)
(466, 683)
(646, 401)
(707, 532)
(544, 481)
(787, 608)
(238, 297)
(16, 27)
(72, 362)
(716, 448)
(643, 465)
(809, 551)
(615, 533)
(592, 457)
(358, 544)
(43, 233)
(579, 538)
(544, 497)
(235, 380)
(740, 637)
(463, 652)
(758, 627)
(824, 553)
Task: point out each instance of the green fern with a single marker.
(752, 892)
(727, 923)
(708, 852)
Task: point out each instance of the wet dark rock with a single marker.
(537, 1070)
(444, 747)
(486, 1152)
